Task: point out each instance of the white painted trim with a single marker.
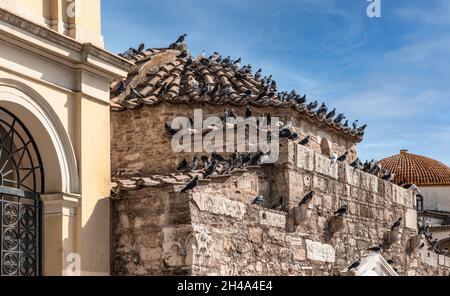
(23, 95)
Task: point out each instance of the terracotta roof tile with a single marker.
(416, 169)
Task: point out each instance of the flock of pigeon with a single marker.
(217, 164)
(425, 230)
(268, 86)
(374, 168)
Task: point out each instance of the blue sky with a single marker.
(392, 73)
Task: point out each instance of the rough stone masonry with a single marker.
(214, 229)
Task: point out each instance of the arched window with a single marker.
(419, 203)
(325, 147)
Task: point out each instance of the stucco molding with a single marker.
(63, 41)
(23, 95)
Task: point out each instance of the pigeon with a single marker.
(191, 185)
(227, 167)
(183, 54)
(122, 87)
(343, 157)
(136, 94)
(192, 166)
(354, 265)
(183, 165)
(217, 157)
(313, 105)
(259, 200)
(210, 169)
(141, 47)
(258, 74)
(339, 118)
(334, 158)
(181, 39)
(256, 157)
(205, 161)
(170, 131)
(248, 112)
(376, 249)
(331, 114)
(305, 141)
(278, 204)
(356, 163)
(361, 129)
(397, 224)
(355, 124)
(307, 199)
(341, 211)
(322, 111)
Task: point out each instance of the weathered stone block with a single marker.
(352, 176)
(301, 214)
(305, 158)
(325, 167)
(272, 219)
(413, 243)
(411, 219)
(369, 182)
(392, 237)
(219, 205)
(320, 252)
(429, 258)
(336, 224)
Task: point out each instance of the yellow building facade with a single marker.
(55, 137)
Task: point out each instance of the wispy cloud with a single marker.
(437, 14)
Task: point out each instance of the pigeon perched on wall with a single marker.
(307, 199)
(334, 157)
(191, 185)
(397, 224)
(248, 112)
(170, 131)
(341, 211)
(390, 261)
(356, 164)
(259, 200)
(305, 141)
(192, 166)
(183, 165)
(217, 157)
(376, 249)
(343, 157)
(210, 169)
(354, 265)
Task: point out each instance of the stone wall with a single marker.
(214, 229)
(139, 142)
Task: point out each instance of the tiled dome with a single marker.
(420, 170)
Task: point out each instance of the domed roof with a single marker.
(416, 169)
(173, 75)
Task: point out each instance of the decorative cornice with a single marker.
(63, 41)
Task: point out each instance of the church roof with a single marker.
(416, 169)
(172, 75)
